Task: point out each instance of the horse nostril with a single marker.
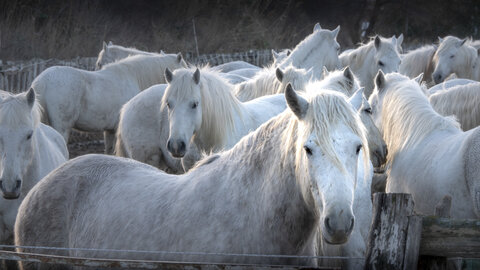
(18, 184)
(182, 146)
(352, 223)
(169, 145)
(327, 225)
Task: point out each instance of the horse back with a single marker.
(472, 168)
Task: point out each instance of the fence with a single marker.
(17, 76)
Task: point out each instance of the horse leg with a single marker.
(109, 137)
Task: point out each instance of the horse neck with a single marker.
(145, 73)
(300, 57)
(256, 165)
(264, 83)
(408, 118)
(222, 114)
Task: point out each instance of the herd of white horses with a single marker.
(238, 159)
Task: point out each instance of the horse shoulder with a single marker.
(471, 158)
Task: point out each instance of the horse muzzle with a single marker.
(11, 194)
(176, 148)
(336, 231)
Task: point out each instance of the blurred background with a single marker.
(65, 29)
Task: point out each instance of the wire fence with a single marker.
(190, 260)
(17, 76)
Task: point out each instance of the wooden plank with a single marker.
(450, 237)
(388, 233)
(137, 264)
(412, 246)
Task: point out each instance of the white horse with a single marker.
(271, 80)
(111, 53)
(142, 131)
(29, 150)
(319, 49)
(203, 109)
(234, 65)
(455, 55)
(463, 101)
(245, 72)
(427, 153)
(449, 84)
(346, 83)
(365, 61)
(419, 61)
(91, 100)
(280, 56)
(267, 195)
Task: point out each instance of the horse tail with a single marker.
(472, 168)
(119, 150)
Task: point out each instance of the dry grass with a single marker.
(66, 29)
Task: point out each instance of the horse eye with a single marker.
(368, 110)
(380, 63)
(29, 136)
(194, 105)
(308, 150)
(359, 147)
(168, 105)
(451, 56)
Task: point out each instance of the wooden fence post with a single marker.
(394, 238)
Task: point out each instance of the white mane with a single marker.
(336, 81)
(13, 109)
(407, 116)
(463, 101)
(218, 103)
(326, 109)
(141, 67)
(265, 82)
(418, 61)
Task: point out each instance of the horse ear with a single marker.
(296, 103)
(419, 78)
(168, 75)
(380, 80)
(196, 76)
(335, 31)
(348, 73)
(440, 40)
(461, 42)
(356, 100)
(279, 74)
(30, 96)
(274, 54)
(104, 46)
(110, 43)
(377, 42)
(179, 57)
(317, 27)
(162, 52)
(400, 40)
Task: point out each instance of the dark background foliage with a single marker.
(66, 29)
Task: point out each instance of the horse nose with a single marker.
(11, 194)
(339, 228)
(176, 148)
(437, 78)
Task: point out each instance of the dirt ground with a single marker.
(82, 143)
